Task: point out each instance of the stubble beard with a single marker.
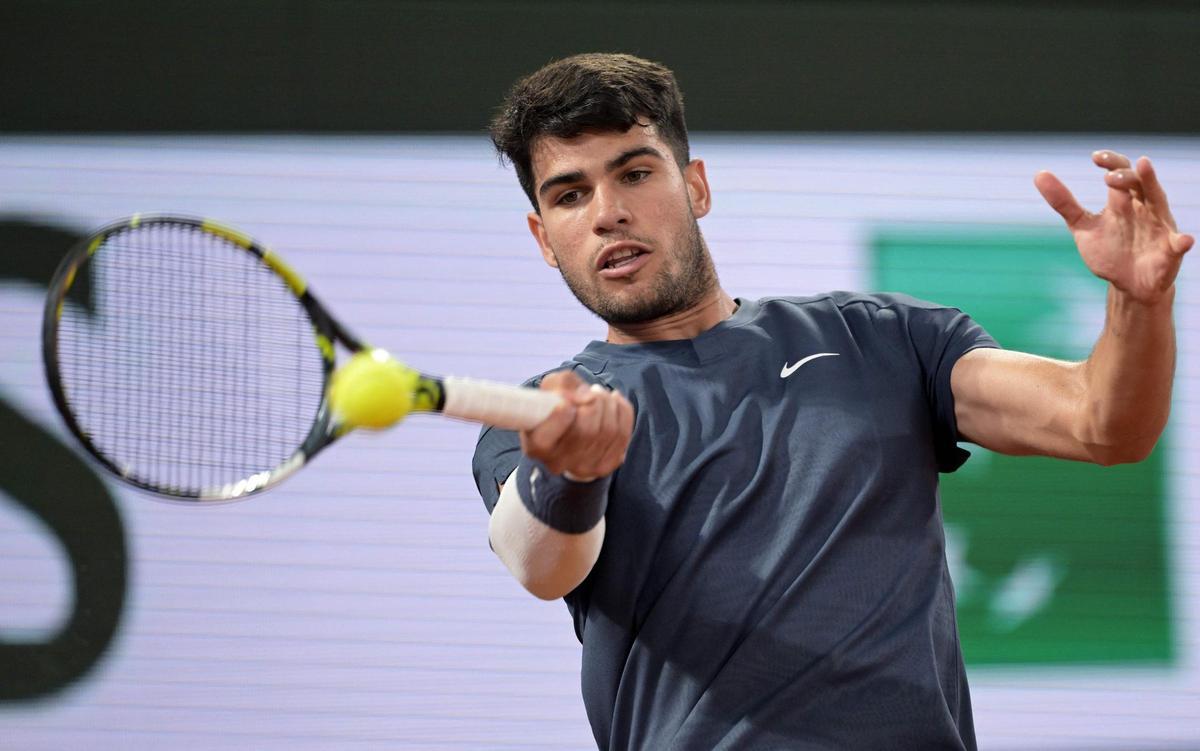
(682, 283)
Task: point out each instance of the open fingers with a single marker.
(1122, 180)
(1152, 190)
(1110, 160)
(1124, 186)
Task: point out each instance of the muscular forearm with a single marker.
(1127, 379)
(547, 562)
(1113, 407)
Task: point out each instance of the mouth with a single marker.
(622, 259)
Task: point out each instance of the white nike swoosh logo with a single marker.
(789, 369)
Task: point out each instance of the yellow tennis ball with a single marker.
(372, 390)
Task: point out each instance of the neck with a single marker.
(710, 310)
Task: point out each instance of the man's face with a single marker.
(618, 220)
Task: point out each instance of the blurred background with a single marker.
(851, 145)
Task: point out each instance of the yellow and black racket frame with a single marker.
(326, 330)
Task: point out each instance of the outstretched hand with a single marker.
(1133, 242)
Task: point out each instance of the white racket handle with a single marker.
(498, 404)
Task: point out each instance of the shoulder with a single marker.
(892, 321)
(588, 364)
(844, 301)
(580, 369)
(871, 308)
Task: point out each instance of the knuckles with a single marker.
(590, 439)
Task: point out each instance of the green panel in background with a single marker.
(1054, 562)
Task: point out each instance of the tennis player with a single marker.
(739, 498)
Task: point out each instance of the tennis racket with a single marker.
(200, 366)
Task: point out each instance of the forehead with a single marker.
(590, 150)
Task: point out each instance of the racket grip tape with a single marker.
(498, 404)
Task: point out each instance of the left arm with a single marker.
(1112, 407)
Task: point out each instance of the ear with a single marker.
(697, 185)
(538, 230)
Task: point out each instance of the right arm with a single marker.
(585, 437)
(545, 561)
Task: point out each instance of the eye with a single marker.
(637, 175)
(568, 198)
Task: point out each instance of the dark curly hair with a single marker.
(589, 92)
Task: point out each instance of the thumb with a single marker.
(1059, 197)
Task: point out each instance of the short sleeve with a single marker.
(940, 336)
(496, 456)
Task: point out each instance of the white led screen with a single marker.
(359, 605)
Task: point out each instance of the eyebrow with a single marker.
(625, 156)
(615, 163)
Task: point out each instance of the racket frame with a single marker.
(505, 406)
(327, 331)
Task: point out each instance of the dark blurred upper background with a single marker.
(756, 65)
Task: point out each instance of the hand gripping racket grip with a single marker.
(501, 405)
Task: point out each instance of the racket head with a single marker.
(199, 369)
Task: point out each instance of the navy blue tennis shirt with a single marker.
(773, 573)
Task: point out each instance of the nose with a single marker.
(611, 211)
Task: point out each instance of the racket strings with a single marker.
(198, 368)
